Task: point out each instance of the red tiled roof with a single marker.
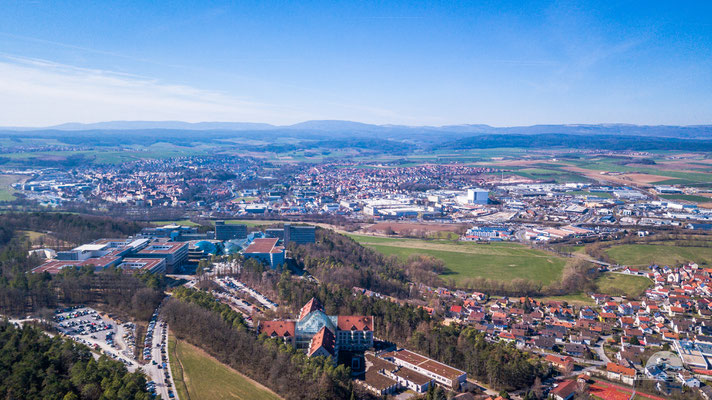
(619, 369)
(312, 305)
(355, 323)
(565, 389)
(554, 359)
(278, 328)
(324, 338)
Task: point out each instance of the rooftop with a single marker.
(266, 245)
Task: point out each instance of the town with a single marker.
(356, 200)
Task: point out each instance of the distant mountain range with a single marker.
(396, 132)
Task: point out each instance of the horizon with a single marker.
(398, 63)
(79, 125)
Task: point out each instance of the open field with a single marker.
(498, 261)
(185, 222)
(111, 155)
(412, 229)
(207, 379)
(176, 369)
(661, 254)
(6, 191)
(686, 197)
(620, 284)
(252, 222)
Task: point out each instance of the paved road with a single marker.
(599, 350)
(156, 374)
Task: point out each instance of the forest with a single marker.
(36, 366)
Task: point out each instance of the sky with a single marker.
(386, 62)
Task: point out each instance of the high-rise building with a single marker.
(225, 231)
(300, 234)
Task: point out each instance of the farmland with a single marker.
(661, 254)
(497, 261)
(6, 191)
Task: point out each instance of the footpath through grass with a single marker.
(497, 261)
(660, 254)
(205, 378)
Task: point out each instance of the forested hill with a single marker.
(569, 141)
(71, 228)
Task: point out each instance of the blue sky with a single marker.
(401, 62)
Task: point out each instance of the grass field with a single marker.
(498, 261)
(32, 235)
(204, 378)
(578, 299)
(620, 284)
(176, 369)
(251, 222)
(661, 254)
(687, 197)
(6, 191)
(185, 222)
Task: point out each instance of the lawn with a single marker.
(661, 254)
(498, 261)
(620, 284)
(203, 377)
(6, 191)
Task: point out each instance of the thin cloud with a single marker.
(39, 92)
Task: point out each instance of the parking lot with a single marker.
(234, 285)
(86, 325)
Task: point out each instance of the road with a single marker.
(159, 353)
(599, 350)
